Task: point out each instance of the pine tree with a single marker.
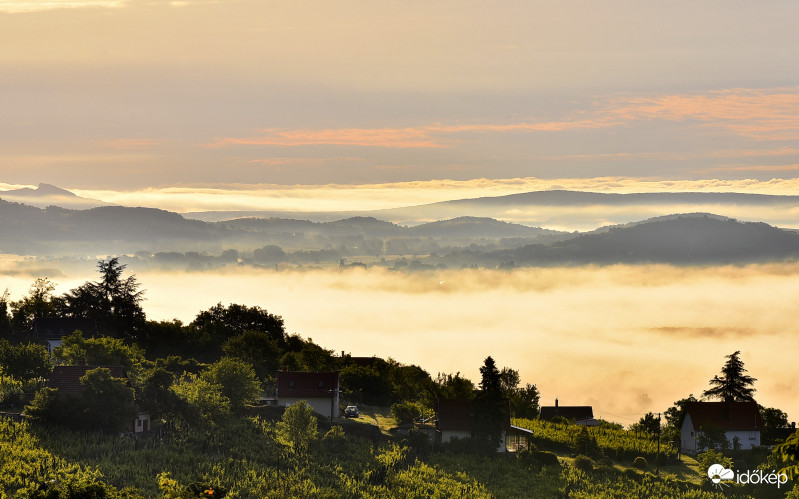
(113, 302)
(733, 385)
(490, 408)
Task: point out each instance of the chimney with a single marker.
(285, 368)
(556, 402)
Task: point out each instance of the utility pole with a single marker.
(657, 458)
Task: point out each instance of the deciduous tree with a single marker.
(298, 427)
(236, 379)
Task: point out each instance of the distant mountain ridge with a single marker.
(119, 229)
(692, 238)
(49, 195)
(558, 209)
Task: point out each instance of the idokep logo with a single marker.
(718, 474)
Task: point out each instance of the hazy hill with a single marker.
(118, 229)
(678, 239)
(474, 227)
(49, 195)
(109, 229)
(686, 239)
(561, 209)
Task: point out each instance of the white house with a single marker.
(739, 420)
(456, 421)
(319, 389)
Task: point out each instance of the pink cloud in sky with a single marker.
(377, 137)
(423, 137)
(770, 114)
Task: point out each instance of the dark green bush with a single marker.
(640, 463)
(546, 458)
(632, 474)
(584, 463)
(405, 412)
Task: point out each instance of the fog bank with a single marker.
(625, 339)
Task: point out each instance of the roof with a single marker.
(67, 378)
(458, 415)
(306, 384)
(729, 416)
(520, 430)
(575, 412)
(455, 414)
(56, 328)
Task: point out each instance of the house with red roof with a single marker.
(580, 414)
(319, 389)
(455, 420)
(738, 420)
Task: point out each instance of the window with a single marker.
(320, 384)
(138, 423)
(752, 435)
(291, 384)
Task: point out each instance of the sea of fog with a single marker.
(624, 339)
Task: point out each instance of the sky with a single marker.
(138, 99)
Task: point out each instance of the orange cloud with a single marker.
(758, 114)
(424, 137)
(378, 137)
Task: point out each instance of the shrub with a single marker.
(298, 427)
(10, 389)
(710, 457)
(632, 474)
(405, 412)
(419, 443)
(586, 444)
(584, 463)
(467, 446)
(640, 463)
(546, 458)
(526, 458)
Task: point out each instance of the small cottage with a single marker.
(455, 420)
(580, 414)
(319, 389)
(740, 422)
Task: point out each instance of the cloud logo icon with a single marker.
(717, 473)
